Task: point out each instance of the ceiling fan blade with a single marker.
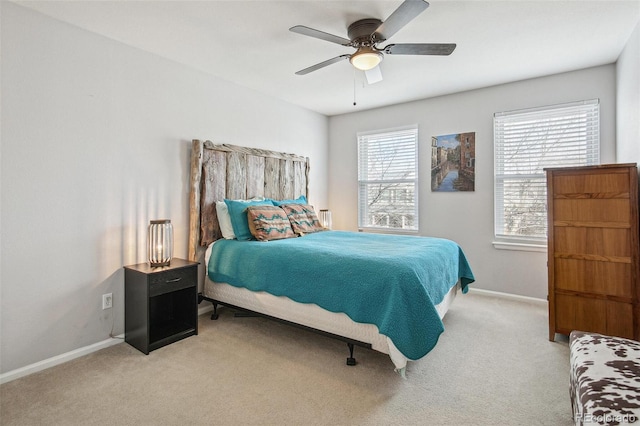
(420, 49)
(323, 64)
(301, 29)
(373, 75)
(401, 17)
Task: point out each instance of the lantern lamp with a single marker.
(160, 242)
(325, 218)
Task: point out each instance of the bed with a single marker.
(375, 311)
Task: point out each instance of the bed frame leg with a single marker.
(351, 360)
(214, 315)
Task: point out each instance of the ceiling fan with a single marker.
(366, 34)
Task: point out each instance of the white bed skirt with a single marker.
(311, 315)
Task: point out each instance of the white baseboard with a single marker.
(58, 359)
(507, 295)
(205, 309)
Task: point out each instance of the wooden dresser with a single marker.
(593, 250)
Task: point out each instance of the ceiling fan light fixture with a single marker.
(366, 58)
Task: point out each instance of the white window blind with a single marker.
(526, 142)
(388, 179)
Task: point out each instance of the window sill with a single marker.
(501, 245)
(398, 231)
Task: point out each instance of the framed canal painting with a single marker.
(453, 162)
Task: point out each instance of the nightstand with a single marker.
(160, 304)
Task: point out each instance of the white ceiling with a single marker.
(248, 42)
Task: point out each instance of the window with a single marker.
(388, 179)
(527, 141)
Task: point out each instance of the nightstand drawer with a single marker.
(169, 281)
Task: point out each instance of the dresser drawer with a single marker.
(165, 282)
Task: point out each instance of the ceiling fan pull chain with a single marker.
(354, 87)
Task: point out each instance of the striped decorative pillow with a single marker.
(303, 218)
(269, 223)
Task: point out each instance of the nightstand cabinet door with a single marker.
(160, 304)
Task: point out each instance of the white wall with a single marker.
(95, 143)
(628, 101)
(467, 217)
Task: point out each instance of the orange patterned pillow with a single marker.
(303, 218)
(269, 223)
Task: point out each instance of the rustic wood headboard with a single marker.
(235, 172)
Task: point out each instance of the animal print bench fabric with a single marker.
(605, 379)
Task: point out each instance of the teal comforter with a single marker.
(388, 280)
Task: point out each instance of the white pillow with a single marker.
(224, 220)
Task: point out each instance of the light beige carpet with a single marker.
(492, 365)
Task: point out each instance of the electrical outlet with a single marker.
(107, 301)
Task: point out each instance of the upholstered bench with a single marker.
(605, 379)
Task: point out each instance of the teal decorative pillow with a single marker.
(238, 213)
(300, 200)
(269, 223)
(303, 218)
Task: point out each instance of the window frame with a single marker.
(589, 149)
(362, 214)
